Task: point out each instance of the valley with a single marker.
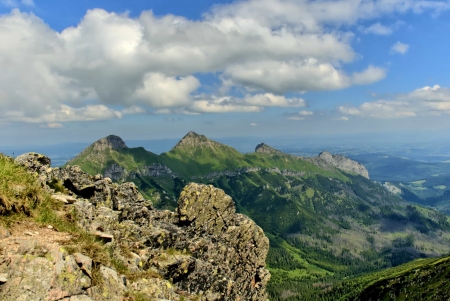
(326, 221)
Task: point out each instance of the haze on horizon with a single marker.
(79, 71)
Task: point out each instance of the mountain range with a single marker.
(325, 219)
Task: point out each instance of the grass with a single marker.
(22, 197)
(20, 192)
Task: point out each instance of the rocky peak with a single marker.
(263, 148)
(192, 139)
(344, 163)
(110, 142)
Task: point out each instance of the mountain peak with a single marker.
(110, 142)
(263, 148)
(192, 139)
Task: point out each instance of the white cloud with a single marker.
(15, 3)
(399, 48)
(306, 113)
(271, 100)
(161, 91)
(28, 2)
(254, 124)
(54, 125)
(297, 118)
(134, 110)
(377, 29)
(249, 103)
(300, 115)
(9, 3)
(370, 75)
(67, 114)
(222, 105)
(342, 118)
(267, 47)
(424, 101)
(380, 29)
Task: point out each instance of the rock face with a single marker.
(192, 139)
(344, 163)
(203, 251)
(110, 142)
(265, 149)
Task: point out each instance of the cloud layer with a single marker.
(425, 101)
(111, 64)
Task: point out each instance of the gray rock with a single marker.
(202, 248)
(344, 163)
(84, 262)
(34, 162)
(66, 199)
(112, 288)
(263, 148)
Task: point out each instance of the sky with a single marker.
(76, 71)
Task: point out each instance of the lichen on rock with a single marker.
(202, 251)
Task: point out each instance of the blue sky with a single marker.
(80, 70)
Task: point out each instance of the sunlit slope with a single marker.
(422, 279)
(112, 150)
(323, 224)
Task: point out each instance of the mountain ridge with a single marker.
(322, 221)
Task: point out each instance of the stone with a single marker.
(204, 247)
(34, 162)
(3, 277)
(344, 163)
(84, 262)
(66, 199)
(4, 233)
(105, 237)
(112, 288)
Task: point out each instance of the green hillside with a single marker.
(422, 279)
(323, 224)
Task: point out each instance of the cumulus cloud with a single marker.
(254, 124)
(380, 29)
(342, 118)
(370, 75)
(427, 100)
(134, 110)
(377, 29)
(399, 48)
(67, 114)
(249, 103)
(265, 47)
(300, 115)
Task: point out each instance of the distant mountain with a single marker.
(325, 219)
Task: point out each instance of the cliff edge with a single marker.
(202, 251)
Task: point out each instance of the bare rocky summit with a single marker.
(344, 163)
(192, 140)
(266, 149)
(202, 251)
(110, 142)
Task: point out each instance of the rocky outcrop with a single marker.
(110, 142)
(202, 251)
(263, 148)
(240, 171)
(115, 172)
(343, 163)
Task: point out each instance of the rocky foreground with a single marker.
(202, 251)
